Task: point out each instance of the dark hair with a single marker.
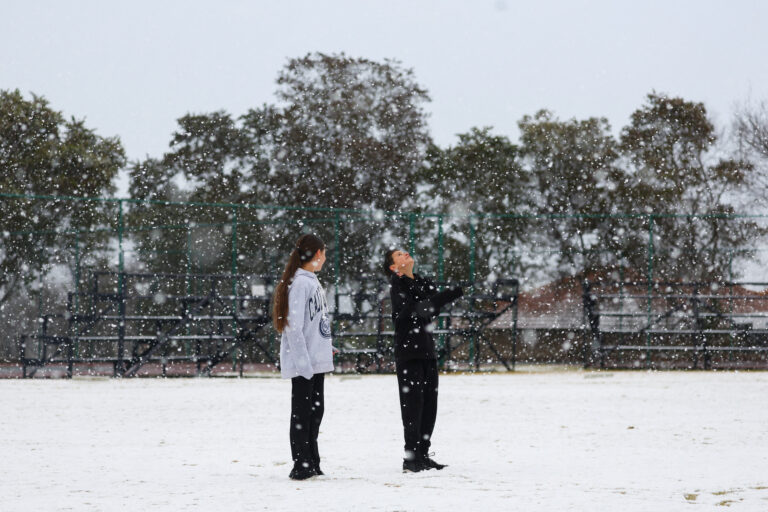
(388, 261)
(303, 251)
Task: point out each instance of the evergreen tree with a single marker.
(346, 133)
(350, 132)
(574, 175)
(477, 181)
(42, 153)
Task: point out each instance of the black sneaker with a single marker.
(299, 472)
(431, 464)
(413, 466)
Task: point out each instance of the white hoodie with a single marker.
(305, 345)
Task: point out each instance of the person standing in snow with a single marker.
(300, 314)
(415, 303)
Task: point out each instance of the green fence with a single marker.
(44, 235)
(220, 236)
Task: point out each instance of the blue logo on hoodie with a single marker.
(325, 327)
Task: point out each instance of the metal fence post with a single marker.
(440, 278)
(188, 285)
(40, 330)
(238, 352)
(119, 365)
(411, 235)
(650, 289)
(472, 248)
(473, 340)
(730, 306)
(336, 260)
(234, 246)
(77, 285)
(440, 247)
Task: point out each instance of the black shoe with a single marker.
(431, 464)
(413, 466)
(299, 472)
(317, 469)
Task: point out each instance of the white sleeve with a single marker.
(294, 331)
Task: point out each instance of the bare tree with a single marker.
(752, 128)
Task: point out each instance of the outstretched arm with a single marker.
(405, 307)
(431, 307)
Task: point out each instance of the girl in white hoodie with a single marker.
(300, 314)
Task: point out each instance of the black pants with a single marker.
(307, 407)
(417, 380)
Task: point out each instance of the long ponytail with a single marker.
(303, 251)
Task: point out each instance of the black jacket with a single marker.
(415, 303)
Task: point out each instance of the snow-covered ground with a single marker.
(561, 440)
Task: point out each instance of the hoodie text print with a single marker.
(305, 344)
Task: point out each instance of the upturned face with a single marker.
(403, 262)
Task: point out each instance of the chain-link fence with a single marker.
(52, 247)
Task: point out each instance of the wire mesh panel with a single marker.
(52, 248)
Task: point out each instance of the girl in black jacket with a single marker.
(415, 303)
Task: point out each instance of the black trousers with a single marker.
(307, 407)
(417, 380)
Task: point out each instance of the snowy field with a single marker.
(561, 440)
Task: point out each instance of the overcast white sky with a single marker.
(132, 68)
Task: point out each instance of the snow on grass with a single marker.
(525, 441)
